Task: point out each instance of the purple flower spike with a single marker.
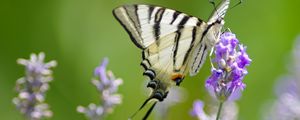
(231, 62)
(231, 112)
(286, 106)
(33, 87)
(198, 111)
(107, 85)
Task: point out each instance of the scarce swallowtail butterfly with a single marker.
(172, 43)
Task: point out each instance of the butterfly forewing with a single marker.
(146, 24)
(219, 12)
(166, 36)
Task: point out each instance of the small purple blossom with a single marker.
(92, 112)
(107, 85)
(231, 112)
(32, 88)
(231, 60)
(198, 110)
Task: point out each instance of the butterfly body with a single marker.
(173, 43)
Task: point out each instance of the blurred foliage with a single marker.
(79, 33)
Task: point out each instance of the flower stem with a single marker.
(219, 110)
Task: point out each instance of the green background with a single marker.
(79, 33)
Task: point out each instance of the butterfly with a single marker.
(173, 43)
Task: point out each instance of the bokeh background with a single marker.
(79, 33)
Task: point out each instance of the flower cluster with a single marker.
(231, 112)
(107, 85)
(32, 88)
(287, 106)
(231, 62)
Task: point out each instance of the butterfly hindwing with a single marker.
(170, 55)
(198, 58)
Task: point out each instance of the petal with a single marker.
(198, 110)
(101, 71)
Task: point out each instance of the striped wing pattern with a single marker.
(198, 58)
(167, 38)
(173, 43)
(213, 30)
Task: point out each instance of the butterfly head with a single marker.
(214, 31)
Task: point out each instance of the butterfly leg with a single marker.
(210, 54)
(227, 30)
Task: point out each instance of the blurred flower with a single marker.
(231, 62)
(287, 104)
(93, 112)
(32, 88)
(107, 85)
(230, 112)
(175, 96)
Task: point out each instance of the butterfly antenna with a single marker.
(149, 111)
(143, 105)
(213, 3)
(240, 2)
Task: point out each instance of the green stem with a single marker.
(219, 111)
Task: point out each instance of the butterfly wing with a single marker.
(198, 58)
(146, 24)
(168, 59)
(220, 12)
(210, 36)
(166, 36)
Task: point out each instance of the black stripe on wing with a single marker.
(191, 45)
(157, 19)
(177, 38)
(201, 52)
(175, 15)
(128, 30)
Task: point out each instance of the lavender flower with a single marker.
(32, 88)
(231, 112)
(287, 104)
(175, 96)
(231, 63)
(107, 85)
